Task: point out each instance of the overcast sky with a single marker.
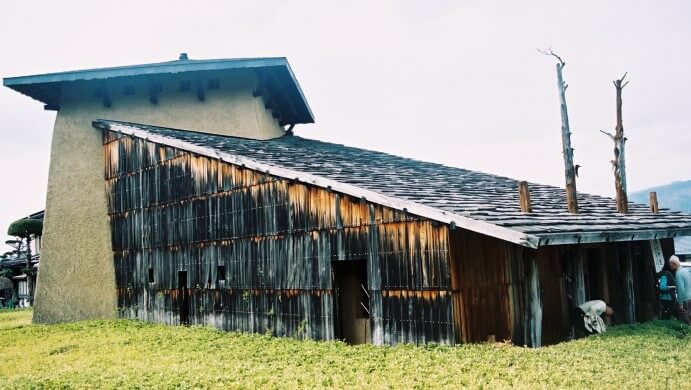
(458, 83)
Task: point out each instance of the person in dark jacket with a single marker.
(666, 288)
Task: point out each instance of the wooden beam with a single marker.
(654, 208)
(533, 300)
(107, 102)
(579, 278)
(200, 89)
(524, 197)
(627, 276)
(154, 89)
(517, 295)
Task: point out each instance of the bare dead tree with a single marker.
(619, 162)
(567, 150)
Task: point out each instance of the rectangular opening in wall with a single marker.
(221, 273)
(128, 90)
(151, 275)
(353, 311)
(183, 299)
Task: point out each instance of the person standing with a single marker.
(682, 277)
(667, 291)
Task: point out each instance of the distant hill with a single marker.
(675, 196)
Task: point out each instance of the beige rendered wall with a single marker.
(77, 276)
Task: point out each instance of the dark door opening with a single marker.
(183, 298)
(352, 301)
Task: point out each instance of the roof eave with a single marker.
(611, 236)
(41, 87)
(145, 69)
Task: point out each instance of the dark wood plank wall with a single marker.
(489, 279)
(553, 282)
(488, 286)
(276, 239)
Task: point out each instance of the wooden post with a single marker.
(533, 315)
(524, 197)
(619, 162)
(29, 269)
(627, 276)
(654, 208)
(578, 279)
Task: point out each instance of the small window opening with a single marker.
(151, 275)
(221, 273)
(213, 84)
(185, 86)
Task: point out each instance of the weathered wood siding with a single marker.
(489, 287)
(172, 210)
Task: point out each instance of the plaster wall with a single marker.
(77, 277)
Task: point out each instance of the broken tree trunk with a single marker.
(619, 162)
(567, 150)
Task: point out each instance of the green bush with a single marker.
(24, 227)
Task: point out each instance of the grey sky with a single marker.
(458, 83)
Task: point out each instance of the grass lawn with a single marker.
(131, 354)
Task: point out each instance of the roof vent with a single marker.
(183, 57)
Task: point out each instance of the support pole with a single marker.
(578, 279)
(627, 275)
(29, 269)
(533, 317)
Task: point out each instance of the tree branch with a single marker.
(607, 134)
(549, 52)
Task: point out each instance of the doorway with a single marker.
(183, 298)
(352, 301)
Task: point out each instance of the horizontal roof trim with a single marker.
(146, 69)
(45, 87)
(460, 221)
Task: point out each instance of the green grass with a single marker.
(131, 354)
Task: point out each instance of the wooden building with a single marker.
(309, 239)
(271, 232)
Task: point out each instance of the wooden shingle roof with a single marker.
(476, 201)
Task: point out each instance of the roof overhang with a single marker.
(275, 76)
(612, 236)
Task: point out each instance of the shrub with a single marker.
(24, 227)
